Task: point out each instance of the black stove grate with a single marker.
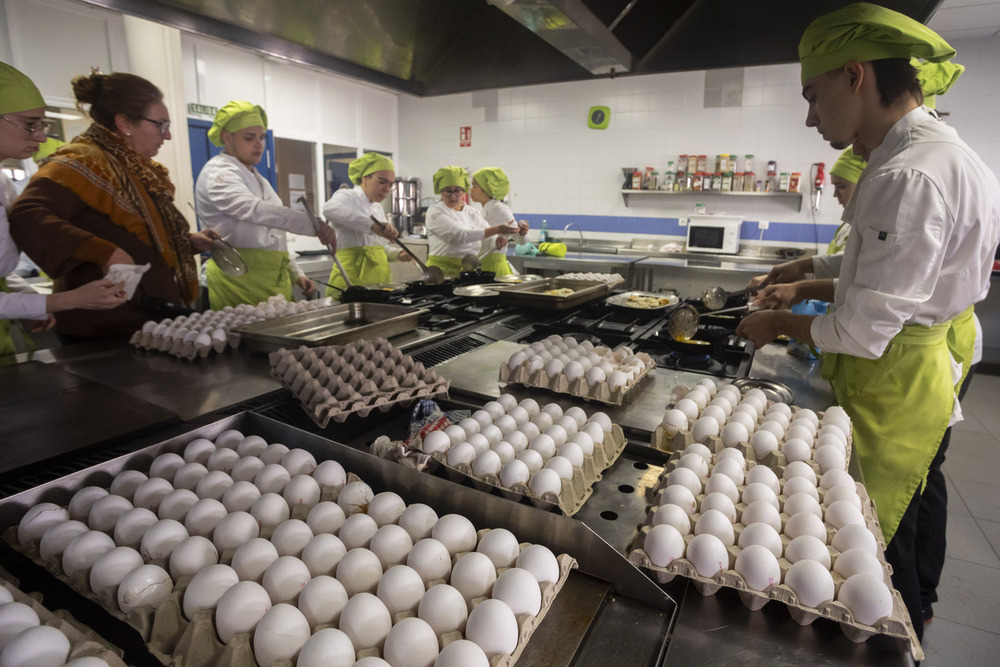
(446, 351)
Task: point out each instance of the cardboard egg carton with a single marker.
(83, 641)
(336, 381)
(601, 392)
(897, 624)
(574, 492)
(183, 344)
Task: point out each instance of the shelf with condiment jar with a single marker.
(794, 198)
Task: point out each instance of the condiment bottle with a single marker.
(794, 180)
(637, 180)
(702, 163)
(783, 182)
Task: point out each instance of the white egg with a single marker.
(708, 554)
(685, 477)
(144, 588)
(796, 449)
(411, 642)
(545, 480)
(867, 597)
(486, 463)
(723, 484)
(280, 634)
(506, 424)
(455, 532)
(542, 420)
(674, 421)
(493, 627)
(80, 505)
(799, 469)
(704, 428)
(132, 525)
(848, 493)
(723, 404)
(763, 442)
(175, 505)
(37, 646)
(761, 511)
(325, 517)
(716, 413)
(808, 547)
(802, 502)
(514, 472)
(733, 434)
(246, 469)
(856, 561)
(516, 359)
(58, 536)
(204, 516)
(837, 477)
(778, 418)
(758, 567)
(679, 495)
(765, 476)
(206, 587)
(104, 514)
(672, 515)
(700, 396)
(730, 467)
(531, 405)
(160, 539)
(811, 582)
(328, 647)
(829, 457)
(774, 428)
(290, 537)
(719, 502)
(192, 555)
(355, 497)
(500, 546)
(855, 536)
(540, 561)
(234, 530)
(126, 482)
(111, 567)
(507, 401)
(444, 609)
(562, 466)
(841, 513)
(805, 523)
(763, 535)
(663, 544)
(798, 431)
(714, 522)
(695, 462)
(240, 608)
(473, 575)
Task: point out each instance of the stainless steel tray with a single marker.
(533, 294)
(331, 326)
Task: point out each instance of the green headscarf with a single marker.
(17, 92)
(936, 78)
(865, 32)
(47, 148)
(849, 166)
(235, 116)
(493, 181)
(450, 176)
(368, 163)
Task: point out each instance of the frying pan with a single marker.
(622, 303)
(358, 293)
(705, 340)
(432, 275)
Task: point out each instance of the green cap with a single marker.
(849, 166)
(236, 115)
(368, 163)
(936, 78)
(17, 92)
(493, 181)
(450, 176)
(866, 32)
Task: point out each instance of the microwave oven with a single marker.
(719, 234)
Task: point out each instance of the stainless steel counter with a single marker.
(577, 261)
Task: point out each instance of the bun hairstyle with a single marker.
(117, 93)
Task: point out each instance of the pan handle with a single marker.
(416, 258)
(316, 224)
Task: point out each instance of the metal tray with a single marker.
(533, 294)
(517, 279)
(774, 390)
(623, 301)
(481, 291)
(331, 326)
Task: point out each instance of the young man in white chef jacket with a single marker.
(926, 218)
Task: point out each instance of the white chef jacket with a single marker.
(497, 213)
(22, 302)
(926, 223)
(349, 211)
(241, 205)
(452, 233)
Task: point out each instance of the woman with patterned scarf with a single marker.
(102, 200)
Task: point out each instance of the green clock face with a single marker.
(599, 118)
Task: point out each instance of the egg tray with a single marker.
(174, 640)
(84, 642)
(145, 339)
(570, 498)
(559, 383)
(337, 381)
(897, 624)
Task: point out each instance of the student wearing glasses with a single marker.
(101, 200)
(232, 198)
(22, 111)
(455, 229)
(361, 241)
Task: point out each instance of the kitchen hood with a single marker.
(436, 47)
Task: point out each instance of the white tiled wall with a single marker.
(557, 165)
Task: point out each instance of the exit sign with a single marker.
(202, 109)
(465, 136)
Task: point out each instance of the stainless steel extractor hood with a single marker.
(435, 47)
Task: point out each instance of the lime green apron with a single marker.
(497, 263)
(962, 341)
(7, 345)
(365, 265)
(839, 241)
(451, 266)
(267, 276)
(900, 405)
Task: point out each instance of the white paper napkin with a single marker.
(130, 274)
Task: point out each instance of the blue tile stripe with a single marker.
(782, 232)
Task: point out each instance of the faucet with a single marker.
(573, 224)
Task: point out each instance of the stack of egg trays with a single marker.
(84, 642)
(559, 383)
(177, 641)
(610, 278)
(897, 624)
(336, 381)
(571, 497)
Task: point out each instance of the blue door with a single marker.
(202, 150)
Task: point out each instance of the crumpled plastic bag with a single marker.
(427, 416)
(129, 274)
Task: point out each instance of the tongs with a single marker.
(316, 224)
(432, 275)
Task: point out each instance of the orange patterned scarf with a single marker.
(135, 193)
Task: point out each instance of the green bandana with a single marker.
(866, 32)
(450, 176)
(493, 181)
(368, 163)
(936, 78)
(235, 116)
(849, 166)
(17, 92)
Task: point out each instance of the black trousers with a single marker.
(917, 550)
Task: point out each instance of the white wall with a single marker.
(557, 165)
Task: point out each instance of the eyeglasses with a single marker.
(164, 125)
(42, 127)
(452, 192)
(384, 182)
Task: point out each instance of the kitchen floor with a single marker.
(966, 625)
